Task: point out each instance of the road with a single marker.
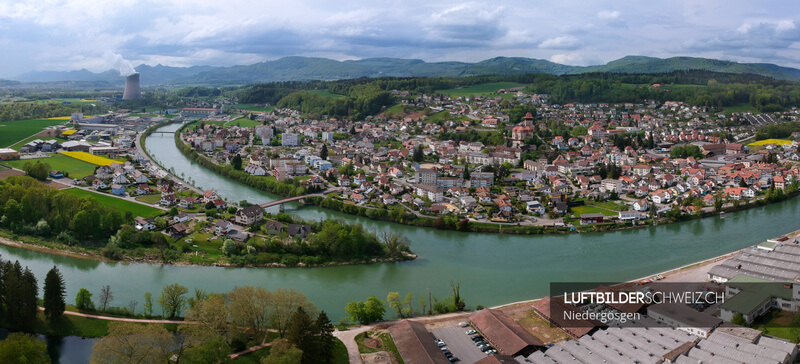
(141, 151)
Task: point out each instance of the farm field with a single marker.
(252, 107)
(771, 141)
(90, 158)
(76, 169)
(743, 107)
(482, 89)
(580, 210)
(243, 122)
(12, 132)
(123, 205)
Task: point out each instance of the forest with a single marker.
(31, 208)
(366, 96)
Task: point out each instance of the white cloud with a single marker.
(73, 34)
(561, 42)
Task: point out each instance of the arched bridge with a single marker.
(298, 198)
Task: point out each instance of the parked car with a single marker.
(453, 359)
(463, 324)
(440, 343)
(470, 332)
(476, 338)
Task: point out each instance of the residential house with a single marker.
(142, 223)
(249, 215)
(222, 227)
(181, 217)
(168, 200)
(299, 230)
(117, 189)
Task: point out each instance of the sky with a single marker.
(52, 35)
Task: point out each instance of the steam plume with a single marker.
(122, 65)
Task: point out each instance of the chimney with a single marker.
(132, 90)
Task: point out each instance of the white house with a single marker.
(536, 207)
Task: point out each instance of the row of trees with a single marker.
(26, 111)
(373, 309)
(19, 295)
(218, 324)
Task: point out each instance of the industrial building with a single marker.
(775, 262)
(415, 344)
(132, 89)
(651, 342)
(505, 335)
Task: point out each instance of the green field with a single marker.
(76, 169)
(743, 107)
(13, 131)
(151, 199)
(252, 107)
(123, 205)
(325, 93)
(483, 89)
(243, 122)
(580, 210)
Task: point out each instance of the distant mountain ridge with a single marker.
(309, 68)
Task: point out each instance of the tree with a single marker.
(324, 336)
(403, 307)
(250, 307)
(323, 153)
(284, 303)
(148, 304)
(83, 301)
(21, 291)
(210, 315)
(212, 349)
(54, 294)
(105, 297)
(466, 172)
(738, 319)
(459, 303)
(236, 162)
(418, 155)
(282, 352)
(129, 342)
(366, 312)
(172, 299)
(23, 348)
(299, 333)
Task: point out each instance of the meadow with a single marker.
(252, 107)
(483, 89)
(123, 205)
(76, 169)
(12, 132)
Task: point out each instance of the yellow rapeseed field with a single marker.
(771, 141)
(60, 118)
(91, 158)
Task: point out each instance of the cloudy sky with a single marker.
(75, 34)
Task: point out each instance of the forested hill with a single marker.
(307, 68)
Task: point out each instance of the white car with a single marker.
(470, 332)
(463, 324)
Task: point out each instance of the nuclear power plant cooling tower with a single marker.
(132, 90)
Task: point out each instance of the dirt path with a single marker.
(109, 318)
(249, 350)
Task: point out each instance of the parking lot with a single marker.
(459, 343)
